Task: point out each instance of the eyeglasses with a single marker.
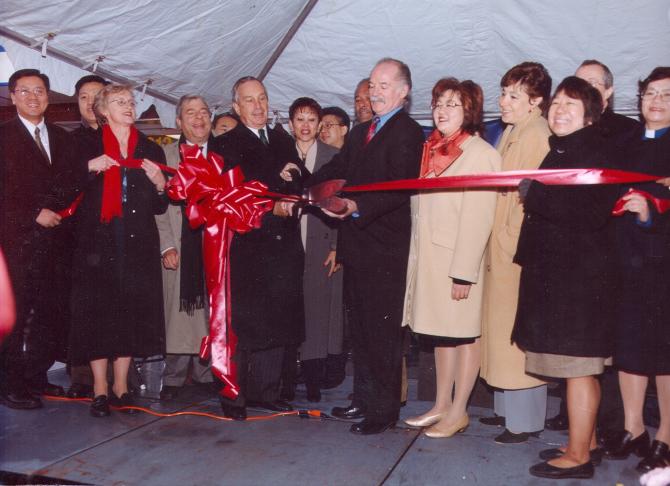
(123, 103)
(594, 82)
(650, 95)
(448, 105)
(24, 92)
(329, 125)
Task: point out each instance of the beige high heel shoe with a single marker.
(458, 427)
(422, 421)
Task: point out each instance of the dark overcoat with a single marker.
(266, 264)
(565, 251)
(324, 309)
(643, 265)
(117, 293)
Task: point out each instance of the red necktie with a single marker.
(372, 129)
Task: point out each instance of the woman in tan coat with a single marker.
(450, 230)
(520, 404)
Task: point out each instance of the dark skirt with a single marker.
(428, 342)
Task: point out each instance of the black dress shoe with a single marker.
(313, 394)
(370, 427)
(287, 394)
(79, 390)
(546, 470)
(20, 400)
(48, 389)
(168, 392)
(100, 406)
(348, 413)
(557, 422)
(276, 406)
(549, 454)
(620, 445)
(125, 400)
(496, 420)
(659, 456)
(509, 437)
(234, 412)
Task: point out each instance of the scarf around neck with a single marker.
(440, 152)
(111, 185)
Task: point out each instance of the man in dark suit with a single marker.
(266, 264)
(36, 180)
(373, 244)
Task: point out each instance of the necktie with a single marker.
(263, 137)
(40, 146)
(372, 129)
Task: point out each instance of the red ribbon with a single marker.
(225, 205)
(568, 177)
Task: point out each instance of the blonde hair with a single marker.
(101, 99)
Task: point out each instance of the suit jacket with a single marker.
(266, 264)
(450, 232)
(29, 183)
(381, 232)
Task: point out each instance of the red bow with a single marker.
(225, 205)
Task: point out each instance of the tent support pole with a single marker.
(62, 56)
(287, 38)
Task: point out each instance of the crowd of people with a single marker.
(518, 286)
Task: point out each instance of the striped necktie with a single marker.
(38, 141)
(372, 129)
(263, 137)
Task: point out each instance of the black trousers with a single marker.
(374, 302)
(30, 350)
(259, 375)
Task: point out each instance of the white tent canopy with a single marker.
(322, 48)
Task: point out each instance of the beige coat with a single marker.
(183, 333)
(450, 230)
(522, 147)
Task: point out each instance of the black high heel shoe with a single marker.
(100, 406)
(622, 444)
(659, 456)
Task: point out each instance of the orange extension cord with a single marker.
(300, 413)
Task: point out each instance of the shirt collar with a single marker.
(386, 117)
(649, 134)
(30, 126)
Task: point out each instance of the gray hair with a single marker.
(240, 82)
(404, 73)
(189, 97)
(608, 77)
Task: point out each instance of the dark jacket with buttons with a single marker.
(266, 264)
(565, 252)
(117, 293)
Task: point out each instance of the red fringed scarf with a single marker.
(111, 186)
(440, 152)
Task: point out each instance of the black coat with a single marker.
(266, 264)
(117, 292)
(643, 265)
(29, 183)
(565, 293)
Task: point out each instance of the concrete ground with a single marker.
(63, 444)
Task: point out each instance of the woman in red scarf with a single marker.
(117, 309)
(450, 231)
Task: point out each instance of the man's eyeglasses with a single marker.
(329, 125)
(24, 92)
